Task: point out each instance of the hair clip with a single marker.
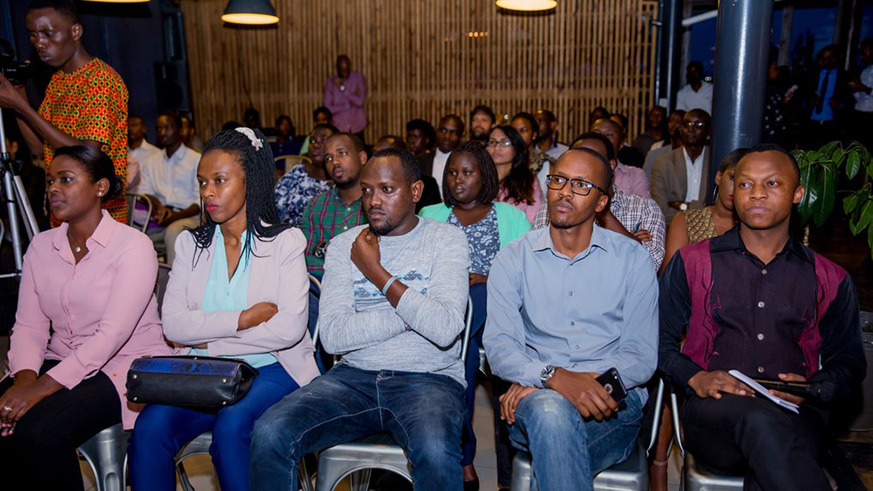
(256, 142)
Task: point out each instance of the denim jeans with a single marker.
(422, 412)
(162, 430)
(468, 441)
(567, 450)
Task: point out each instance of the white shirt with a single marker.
(863, 100)
(173, 180)
(440, 160)
(693, 175)
(135, 156)
(688, 99)
(557, 150)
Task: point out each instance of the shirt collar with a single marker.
(101, 234)
(334, 193)
(731, 241)
(178, 155)
(544, 241)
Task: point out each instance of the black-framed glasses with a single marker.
(693, 124)
(577, 186)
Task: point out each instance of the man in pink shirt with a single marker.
(630, 180)
(344, 94)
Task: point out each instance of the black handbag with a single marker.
(191, 381)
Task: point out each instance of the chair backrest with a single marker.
(139, 211)
(161, 284)
(465, 336)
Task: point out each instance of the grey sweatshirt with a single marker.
(423, 333)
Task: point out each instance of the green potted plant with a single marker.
(819, 173)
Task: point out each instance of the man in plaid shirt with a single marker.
(628, 214)
(339, 209)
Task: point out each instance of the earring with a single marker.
(99, 194)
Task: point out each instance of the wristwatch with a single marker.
(683, 206)
(547, 375)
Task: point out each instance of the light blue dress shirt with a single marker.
(827, 113)
(230, 294)
(590, 313)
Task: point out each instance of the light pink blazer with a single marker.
(102, 310)
(278, 275)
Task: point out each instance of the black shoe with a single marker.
(471, 485)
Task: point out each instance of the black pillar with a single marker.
(741, 51)
(669, 44)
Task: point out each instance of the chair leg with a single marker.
(183, 477)
(360, 480)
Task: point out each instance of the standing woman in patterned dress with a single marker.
(689, 227)
(85, 103)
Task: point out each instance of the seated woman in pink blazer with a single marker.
(86, 310)
(239, 289)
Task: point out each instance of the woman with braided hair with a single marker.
(238, 289)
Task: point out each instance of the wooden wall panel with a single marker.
(421, 61)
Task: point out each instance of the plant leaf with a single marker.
(849, 203)
(810, 177)
(853, 164)
(865, 217)
(828, 148)
(823, 207)
(837, 156)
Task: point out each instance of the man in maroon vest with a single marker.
(757, 301)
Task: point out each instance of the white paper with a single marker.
(764, 392)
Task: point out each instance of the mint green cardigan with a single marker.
(511, 222)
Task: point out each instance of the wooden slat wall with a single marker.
(420, 61)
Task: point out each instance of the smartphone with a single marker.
(799, 389)
(611, 381)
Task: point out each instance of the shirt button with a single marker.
(572, 323)
(577, 346)
(763, 271)
(760, 337)
(571, 294)
(345, 228)
(760, 369)
(760, 305)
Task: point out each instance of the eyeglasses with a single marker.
(502, 143)
(693, 124)
(577, 186)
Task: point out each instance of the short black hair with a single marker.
(772, 147)
(394, 141)
(623, 118)
(550, 116)
(231, 125)
(698, 64)
(530, 118)
(356, 142)
(328, 127)
(593, 135)
(456, 118)
(482, 108)
(424, 127)
(97, 164)
(64, 7)
(322, 110)
(487, 169)
(284, 117)
(408, 162)
(175, 117)
(606, 167)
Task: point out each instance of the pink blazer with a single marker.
(278, 275)
(102, 311)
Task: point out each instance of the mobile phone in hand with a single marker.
(611, 381)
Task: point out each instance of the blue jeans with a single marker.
(422, 412)
(567, 450)
(478, 294)
(161, 431)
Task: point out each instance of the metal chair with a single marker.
(161, 284)
(631, 474)
(200, 445)
(106, 454)
(379, 451)
(138, 199)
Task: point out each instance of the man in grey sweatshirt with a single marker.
(392, 304)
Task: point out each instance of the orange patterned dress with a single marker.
(91, 104)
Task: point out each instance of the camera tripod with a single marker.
(17, 204)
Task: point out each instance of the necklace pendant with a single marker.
(78, 249)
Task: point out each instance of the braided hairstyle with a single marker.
(262, 216)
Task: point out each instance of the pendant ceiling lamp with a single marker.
(527, 5)
(250, 12)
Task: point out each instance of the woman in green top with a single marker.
(470, 186)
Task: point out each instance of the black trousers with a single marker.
(41, 454)
(774, 448)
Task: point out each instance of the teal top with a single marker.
(232, 294)
(512, 223)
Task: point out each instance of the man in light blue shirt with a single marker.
(566, 304)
